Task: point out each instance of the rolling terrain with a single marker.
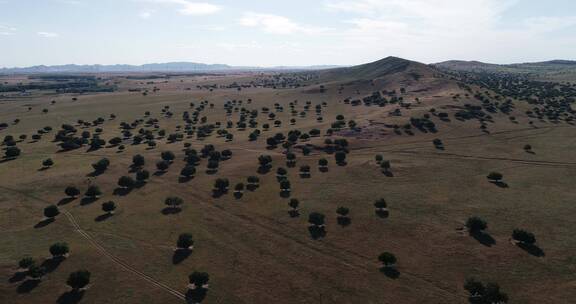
(419, 137)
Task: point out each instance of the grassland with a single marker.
(252, 249)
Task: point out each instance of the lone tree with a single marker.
(476, 225)
(185, 241)
(168, 156)
(322, 164)
(162, 165)
(47, 163)
(380, 205)
(221, 185)
(340, 157)
(523, 237)
(93, 192)
(138, 161)
(26, 262)
(342, 211)
(173, 202)
(198, 280)
(72, 192)
(36, 272)
(12, 152)
(51, 211)
(142, 176)
(253, 183)
(294, 203)
(59, 250)
(285, 185)
(188, 171)
(495, 177)
(101, 165)
(317, 219)
(388, 259)
(126, 182)
(385, 165)
(109, 207)
(78, 280)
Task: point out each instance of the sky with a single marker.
(289, 33)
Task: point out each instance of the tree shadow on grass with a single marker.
(52, 264)
(532, 249)
(3, 160)
(103, 217)
(70, 297)
(170, 210)
(483, 238)
(66, 200)
(218, 193)
(95, 173)
(27, 286)
(180, 255)
(197, 295)
(294, 213)
(159, 173)
(184, 179)
(88, 200)
(382, 213)
(390, 272)
(388, 173)
(122, 191)
(500, 184)
(17, 277)
(317, 232)
(344, 221)
(44, 223)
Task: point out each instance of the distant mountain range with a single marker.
(150, 68)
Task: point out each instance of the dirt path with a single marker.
(119, 262)
(103, 250)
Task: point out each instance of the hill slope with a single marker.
(389, 66)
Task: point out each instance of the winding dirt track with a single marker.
(103, 250)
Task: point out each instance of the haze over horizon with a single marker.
(329, 32)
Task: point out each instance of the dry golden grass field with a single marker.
(252, 247)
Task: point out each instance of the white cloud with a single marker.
(433, 30)
(189, 7)
(275, 24)
(146, 13)
(48, 34)
(7, 30)
(549, 24)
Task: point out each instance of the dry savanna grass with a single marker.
(249, 244)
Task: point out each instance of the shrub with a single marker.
(185, 241)
(387, 258)
(72, 191)
(59, 249)
(79, 279)
(51, 211)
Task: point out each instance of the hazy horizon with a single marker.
(299, 33)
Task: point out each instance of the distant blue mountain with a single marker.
(151, 67)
